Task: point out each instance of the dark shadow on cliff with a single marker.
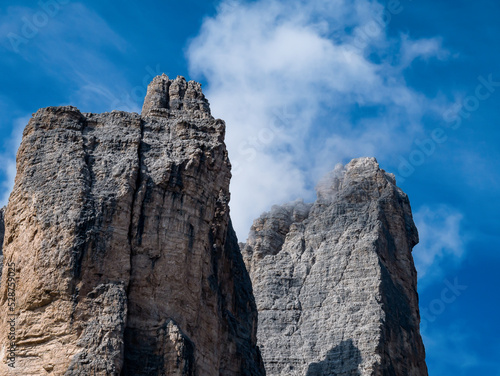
(342, 360)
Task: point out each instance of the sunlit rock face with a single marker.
(119, 234)
(334, 281)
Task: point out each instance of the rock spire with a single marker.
(124, 258)
(334, 281)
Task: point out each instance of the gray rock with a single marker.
(335, 283)
(102, 338)
(126, 261)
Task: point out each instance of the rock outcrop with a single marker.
(121, 246)
(334, 281)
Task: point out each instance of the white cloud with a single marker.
(442, 241)
(300, 91)
(422, 48)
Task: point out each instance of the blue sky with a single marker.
(304, 85)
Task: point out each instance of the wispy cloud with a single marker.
(299, 92)
(8, 158)
(75, 46)
(421, 49)
(442, 241)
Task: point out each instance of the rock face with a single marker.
(334, 281)
(123, 254)
(2, 233)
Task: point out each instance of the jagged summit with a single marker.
(166, 97)
(334, 281)
(331, 186)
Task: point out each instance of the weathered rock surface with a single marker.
(2, 233)
(334, 281)
(126, 262)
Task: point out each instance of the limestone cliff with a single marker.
(334, 281)
(125, 259)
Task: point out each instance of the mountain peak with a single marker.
(170, 98)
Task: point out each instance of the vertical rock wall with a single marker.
(2, 233)
(125, 259)
(334, 281)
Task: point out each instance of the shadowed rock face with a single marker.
(343, 359)
(334, 281)
(126, 262)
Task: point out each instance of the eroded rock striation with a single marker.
(334, 281)
(125, 258)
